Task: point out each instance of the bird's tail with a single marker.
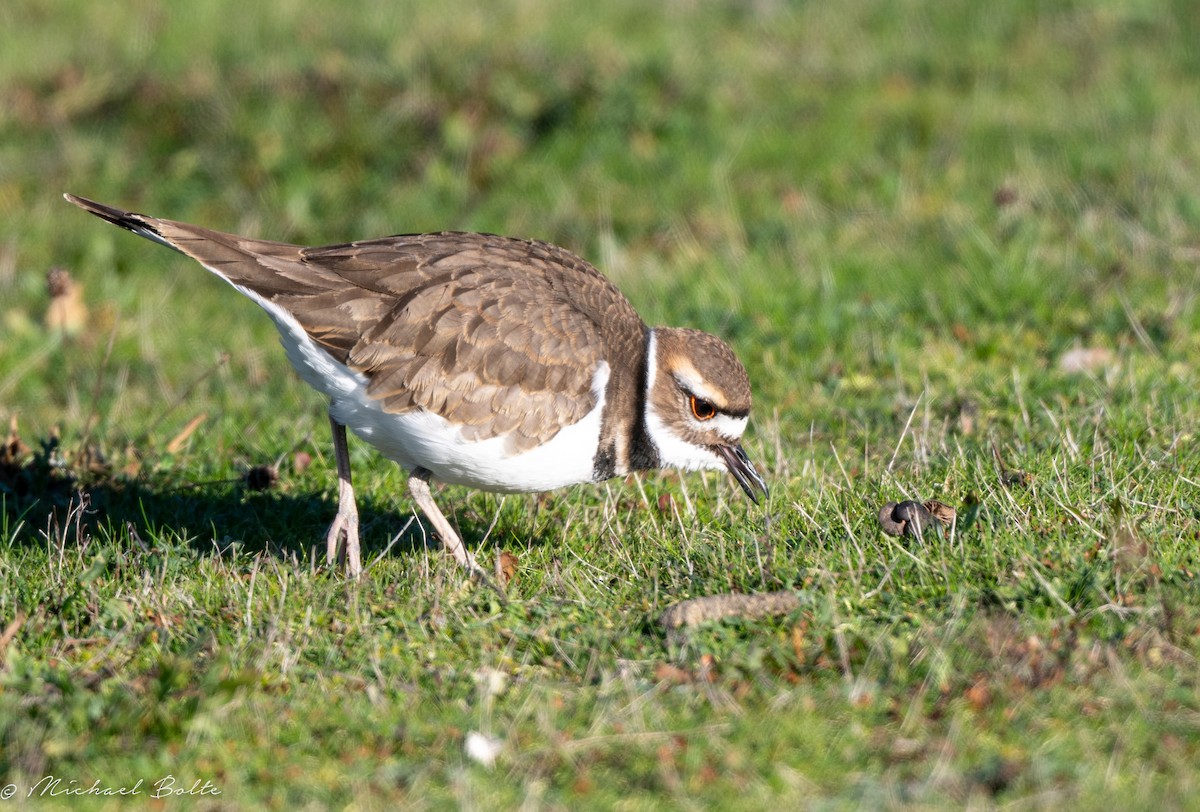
(139, 224)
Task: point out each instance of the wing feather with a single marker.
(503, 336)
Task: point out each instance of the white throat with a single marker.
(673, 450)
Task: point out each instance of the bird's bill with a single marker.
(743, 471)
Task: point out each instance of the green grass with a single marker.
(901, 214)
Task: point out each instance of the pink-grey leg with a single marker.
(345, 524)
(418, 486)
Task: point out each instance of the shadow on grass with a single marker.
(42, 500)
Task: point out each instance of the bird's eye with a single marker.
(702, 408)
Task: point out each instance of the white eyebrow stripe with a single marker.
(697, 387)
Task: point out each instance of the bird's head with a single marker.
(697, 405)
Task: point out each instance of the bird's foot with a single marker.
(341, 542)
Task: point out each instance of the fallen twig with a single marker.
(695, 611)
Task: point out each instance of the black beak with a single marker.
(743, 470)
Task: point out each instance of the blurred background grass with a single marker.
(829, 187)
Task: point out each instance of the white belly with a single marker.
(425, 440)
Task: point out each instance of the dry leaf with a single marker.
(968, 412)
(671, 674)
(665, 503)
(91, 459)
(941, 511)
(506, 567)
(979, 695)
(133, 463)
(798, 642)
(10, 632)
(182, 437)
(300, 462)
(67, 312)
(13, 450)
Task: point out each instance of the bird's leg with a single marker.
(418, 486)
(346, 522)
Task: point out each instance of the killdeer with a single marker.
(502, 364)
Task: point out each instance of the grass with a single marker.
(902, 215)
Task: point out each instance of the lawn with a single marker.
(956, 244)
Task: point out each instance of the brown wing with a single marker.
(493, 333)
(490, 332)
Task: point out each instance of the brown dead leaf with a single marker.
(133, 462)
(10, 632)
(798, 641)
(67, 312)
(92, 460)
(583, 784)
(671, 674)
(707, 774)
(182, 437)
(941, 511)
(968, 412)
(300, 462)
(863, 693)
(13, 451)
(979, 695)
(507, 564)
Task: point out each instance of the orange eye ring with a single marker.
(702, 409)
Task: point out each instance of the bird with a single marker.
(506, 365)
